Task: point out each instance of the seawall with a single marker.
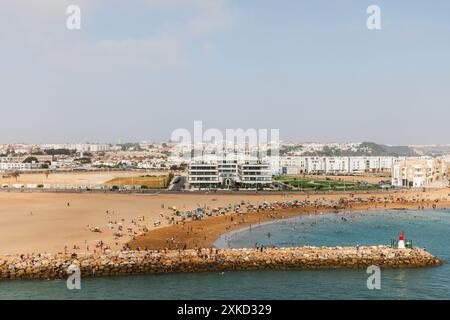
(48, 266)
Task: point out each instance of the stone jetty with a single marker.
(47, 266)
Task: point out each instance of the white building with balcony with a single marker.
(254, 175)
(203, 175)
(229, 173)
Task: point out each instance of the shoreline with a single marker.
(59, 222)
(161, 250)
(204, 233)
(221, 242)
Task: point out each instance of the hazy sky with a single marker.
(139, 69)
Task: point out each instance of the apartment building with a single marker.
(15, 166)
(203, 175)
(335, 165)
(39, 158)
(421, 172)
(254, 174)
(229, 173)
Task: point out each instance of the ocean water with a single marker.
(429, 229)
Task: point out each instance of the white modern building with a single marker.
(254, 174)
(203, 175)
(229, 173)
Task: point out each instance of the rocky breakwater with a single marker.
(47, 266)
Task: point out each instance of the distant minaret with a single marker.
(401, 241)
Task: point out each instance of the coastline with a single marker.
(221, 241)
(160, 250)
(204, 233)
(46, 223)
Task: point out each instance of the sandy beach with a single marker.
(51, 222)
(76, 178)
(47, 222)
(203, 234)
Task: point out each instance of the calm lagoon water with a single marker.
(429, 229)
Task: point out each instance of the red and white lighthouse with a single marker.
(401, 241)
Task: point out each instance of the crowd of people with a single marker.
(124, 230)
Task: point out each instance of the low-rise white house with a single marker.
(15, 166)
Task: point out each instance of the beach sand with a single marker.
(76, 178)
(203, 234)
(43, 222)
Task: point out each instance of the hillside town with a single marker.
(234, 170)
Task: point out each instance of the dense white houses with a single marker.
(405, 171)
(15, 166)
(22, 158)
(78, 147)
